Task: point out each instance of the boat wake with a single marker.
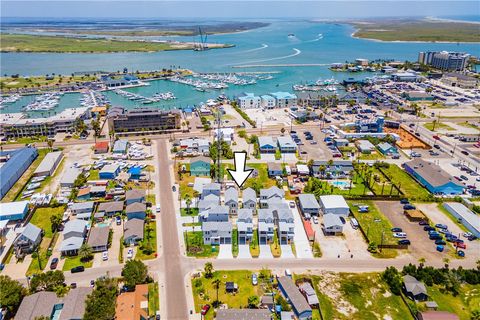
(296, 53)
(256, 49)
(318, 38)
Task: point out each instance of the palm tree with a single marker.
(446, 261)
(434, 122)
(196, 195)
(85, 252)
(188, 202)
(282, 131)
(216, 285)
(322, 169)
(421, 261)
(208, 269)
(50, 143)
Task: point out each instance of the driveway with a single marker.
(287, 251)
(244, 251)
(267, 157)
(225, 252)
(302, 245)
(289, 157)
(265, 252)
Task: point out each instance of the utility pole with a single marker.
(219, 145)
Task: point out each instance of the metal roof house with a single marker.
(386, 148)
(73, 235)
(286, 144)
(16, 162)
(308, 204)
(364, 146)
(415, 289)
(266, 144)
(13, 210)
(291, 292)
(332, 224)
(465, 216)
(433, 177)
(309, 293)
(272, 193)
(49, 164)
(334, 204)
(110, 171)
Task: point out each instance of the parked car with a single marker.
(440, 242)
(428, 228)
(399, 235)
(461, 253)
(404, 241)
(254, 279)
(441, 226)
(460, 245)
(464, 152)
(174, 188)
(397, 230)
(423, 223)
(315, 219)
(205, 309)
(409, 207)
(404, 201)
(130, 253)
(464, 177)
(440, 248)
(92, 283)
(435, 237)
(118, 220)
(54, 264)
(77, 269)
(105, 255)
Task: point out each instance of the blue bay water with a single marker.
(266, 46)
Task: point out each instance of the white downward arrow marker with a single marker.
(239, 174)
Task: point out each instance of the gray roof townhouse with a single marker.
(217, 232)
(285, 225)
(266, 226)
(135, 195)
(27, 241)
(136, 210)
(98, 239)
(211, 188)
(133, 231)
(215, 213)
(272, 193)
(245, 225)
(332, 224)
(208, 202)
(231, 199)
(308, 204)
(73, 235)
(249, 198)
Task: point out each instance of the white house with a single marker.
(332, 224)
(248, 101)
(267, 101)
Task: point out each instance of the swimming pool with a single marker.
(342, 184)
(103, 224)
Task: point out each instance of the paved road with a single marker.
(176, 301)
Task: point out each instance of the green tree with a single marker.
(393, 279)
(253, 301)
(100, 304)
(85, 252)
(208, 269)
(216, 285)
(48, 281)
(11, 293)
(50, 143)
(134, 272)
(55, 221)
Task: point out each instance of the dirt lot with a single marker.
(407, 139)
(422, 246)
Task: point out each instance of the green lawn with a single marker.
(462, 304)
(438, 125)
(375, 155)
(204, 291)
(71, 262)
(193, 211)
(235, 242)
(184, 188)
(21, 183)
(254, 248)
(142, 252)
(196, 248)
(41, 218)
(42, 258)
(357, 296)
(151, 198)
(468, 125)
(94, 175)
(262, 178)
(373, 222)
(410, 188)
(275, 246)
(153, 301)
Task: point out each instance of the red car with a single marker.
(436, 137)
(205, 309)
(460, 245)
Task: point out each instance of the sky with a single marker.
(235, 9)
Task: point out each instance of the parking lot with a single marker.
(314, 148)
(421, 246)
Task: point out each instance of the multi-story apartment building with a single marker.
(444, 60)
(143, 119)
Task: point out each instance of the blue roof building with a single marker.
(13, 210)
(284, 99)
(386, 148)
(17, 161)
(135, 172)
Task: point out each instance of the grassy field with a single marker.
(438, 126)
(410, 188)
(41, 219)
(142, 255)
(197, 249)
(193, 211)
(417, 30)
(71, 262)
(235, 242)
(371, 156)
(357, 296)
(462, 304)
(275, 246)
(204, 291)
(39, 262)
(373, 222)
(36, 43)
(468, 125)
(262, 178)
(94, 175)
(153, 301)
(21, 183)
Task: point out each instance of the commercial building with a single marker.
(143, 119)
(120, 146)
(335, 204)
(284, 99)
(433, 177)
(267, 101)
(417, 96)
(13, 210)
(18, 125)
(248, 101)
(102, 147)
(460, 80)
(465, 216)
(195, 145)
(69, 177)
(386, 148)
(13, 164)
(291, 292)
(405, 77)
(444, 60)
(49, 164)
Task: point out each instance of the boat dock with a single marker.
(282, 65)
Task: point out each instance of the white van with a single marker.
(354, 223)
(158, 208)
